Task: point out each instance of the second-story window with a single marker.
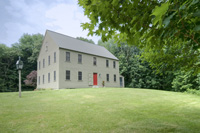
(94, 61)
(107, 77)
(114, 64)
(54, 57)
(39, 65)
(43, 63)
(79, 58)
(79, 75)
(67, 75)
(49, 60)
(107, 63)
(67, 56)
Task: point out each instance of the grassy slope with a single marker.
(99, 110)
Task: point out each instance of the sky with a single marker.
(36, 16)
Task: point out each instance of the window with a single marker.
(43, 79)
(67, 75)
(39, 80)
(54, 57)
(49, 77)
(94, 61)
(54, 76)
(114, 77)
(79, 75)
(107, 77)
(79, 58)
(107, 63)
(49, 60)
(43, 63)
(114, 65)
(39, 65)
(67, 56)
(46, 48)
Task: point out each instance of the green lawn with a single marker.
(99, 110)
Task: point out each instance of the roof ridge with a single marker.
(75, 38)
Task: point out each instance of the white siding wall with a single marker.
(87, 68)
(48, 49)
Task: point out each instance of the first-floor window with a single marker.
(114, 77)
(67, 75)
(39, 80)
(79, 75)
(49, 77)
(107, 77)
(54, 76)
(43, 79)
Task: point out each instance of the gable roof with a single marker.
(70, 43)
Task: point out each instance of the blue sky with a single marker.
(35, 16)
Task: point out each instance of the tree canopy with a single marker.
(167, 30)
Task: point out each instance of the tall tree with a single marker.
(167, 30)
(137, 74)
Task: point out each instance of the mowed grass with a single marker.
(99, 110)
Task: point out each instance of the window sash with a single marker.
(54, 57)
(49, 77)
(107, 77)
(67, 56)
(43, 79)
(94, 61)
(79, 58)
(49, 59)
(107, 63)
(54, 75)
(114, 65)
(43, 63)
(114, 78)
(79, 75)
(67, 75)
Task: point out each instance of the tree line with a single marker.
(137, 72)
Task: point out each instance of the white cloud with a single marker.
(68, 17)
(37, 16)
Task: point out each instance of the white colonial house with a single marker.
(66, 62)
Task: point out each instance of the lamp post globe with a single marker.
(19, 65)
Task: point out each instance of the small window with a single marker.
(79, 58)
(54, 57)
(39, 80)
(46, 48)
(54, 76)
(114, 77)
(107, 63)
(79, 75)
(67, 75)
(94, 61)
(49, 77)
(114, 65)
(39, 65)
(43, 79)
(43, 63)
(107, 77)
(67, 56)
(49, 60)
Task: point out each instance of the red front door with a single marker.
(94, 78)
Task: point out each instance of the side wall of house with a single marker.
(87, 68)
(45, 72)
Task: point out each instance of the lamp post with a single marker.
(19, 66)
